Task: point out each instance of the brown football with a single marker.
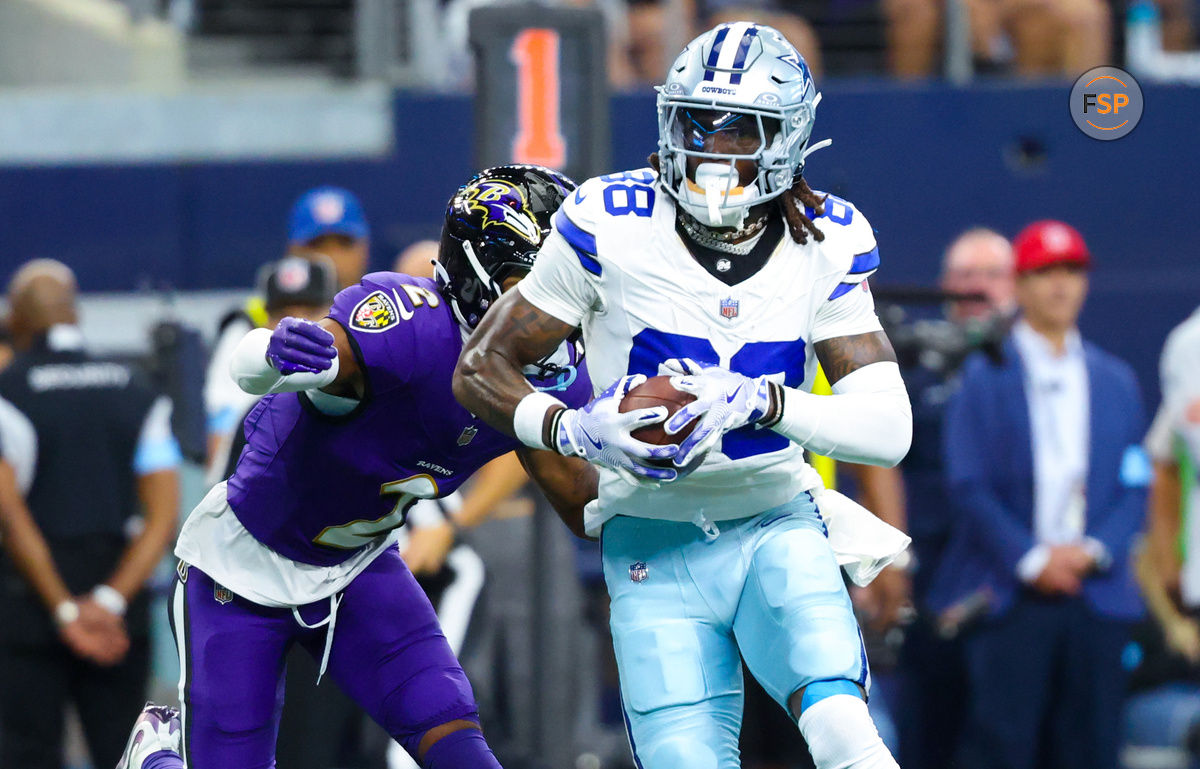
(658, 391)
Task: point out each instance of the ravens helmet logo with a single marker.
(503, 204)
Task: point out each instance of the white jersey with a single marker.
(1175, 437)
(615, 266)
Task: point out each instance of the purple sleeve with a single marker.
(579, 393)
(381, 315)
(571, 384)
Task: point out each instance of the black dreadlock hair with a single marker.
(792, 204)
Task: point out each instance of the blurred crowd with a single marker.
(1043, 38)
(902, 38)
(1046, 517)
(907, 39)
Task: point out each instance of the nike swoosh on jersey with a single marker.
(579, 196)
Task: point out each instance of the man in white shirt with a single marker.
(1049, 492)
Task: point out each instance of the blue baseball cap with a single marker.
(327, 211)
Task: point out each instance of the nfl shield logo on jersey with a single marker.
(638, 571)
(467, 434)
(729, 308)
(222, 594)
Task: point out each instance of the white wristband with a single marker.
(109, 599)
(530, 417)
(66, 612)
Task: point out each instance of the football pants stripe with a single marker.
(180, 621)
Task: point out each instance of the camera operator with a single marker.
(978, 298)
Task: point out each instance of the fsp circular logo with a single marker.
(1106, 103)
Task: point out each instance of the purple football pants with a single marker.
(388, 654)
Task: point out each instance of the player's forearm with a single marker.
(490, 385)
(1164, 515)
(569, 484)
(1154, 590)
(488, 380)
(26, 545)
(159, 493)
(867, 420)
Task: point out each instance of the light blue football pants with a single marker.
(683, 607)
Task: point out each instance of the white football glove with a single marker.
(600, 433)
(724, 401)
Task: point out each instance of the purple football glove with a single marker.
(600, 433)
(300, 346)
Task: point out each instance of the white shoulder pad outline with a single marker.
(613, 196)
(580, 216)
(849, 242)
(575, 228)
(843, 221)
(584, 206)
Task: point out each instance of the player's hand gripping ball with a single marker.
(722, 400)
(602, 432)
(660, 391)
(300, 346)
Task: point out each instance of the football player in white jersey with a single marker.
(720, 266)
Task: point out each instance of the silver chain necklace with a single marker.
(705, 237)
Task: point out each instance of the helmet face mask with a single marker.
(738, 95)
(494, 226)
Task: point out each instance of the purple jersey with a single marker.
(315, 487)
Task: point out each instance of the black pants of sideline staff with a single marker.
(1047, 684)
(37, 683)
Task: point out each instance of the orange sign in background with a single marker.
(539, 136)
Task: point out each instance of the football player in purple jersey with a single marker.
(357, 423)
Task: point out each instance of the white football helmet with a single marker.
(748, 83)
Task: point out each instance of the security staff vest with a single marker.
(84, 416)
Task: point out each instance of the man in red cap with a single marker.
(1045, 469)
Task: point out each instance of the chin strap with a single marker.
(442, 278)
